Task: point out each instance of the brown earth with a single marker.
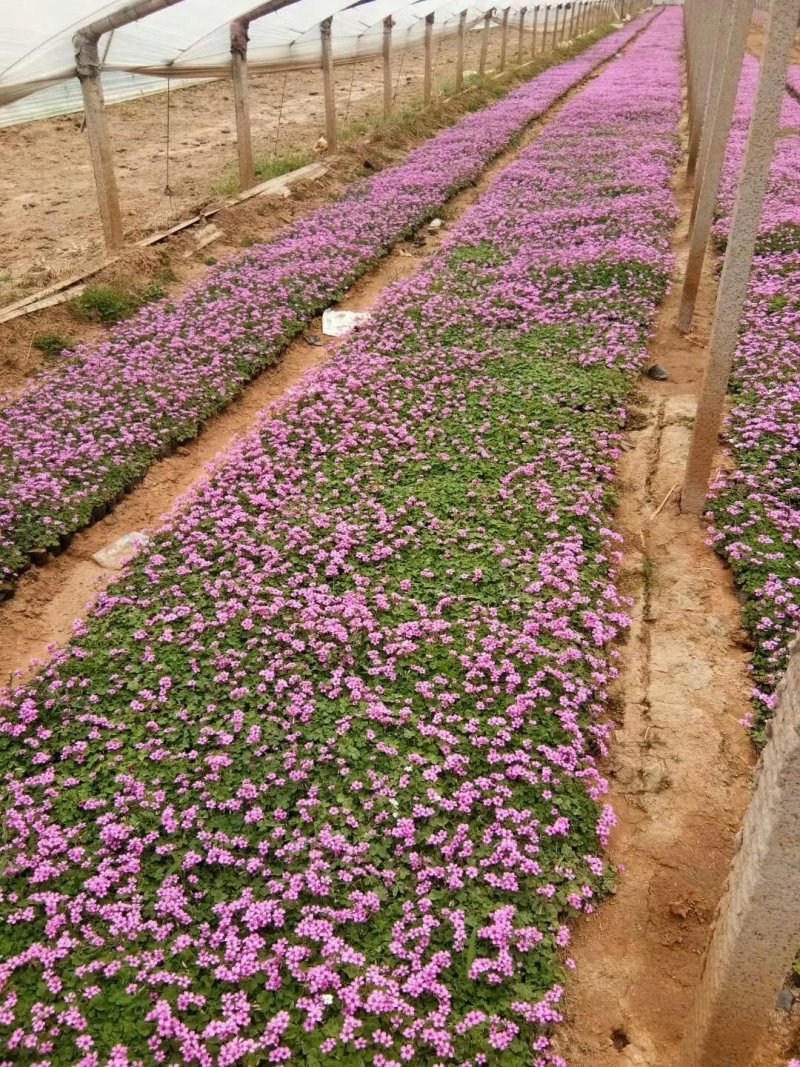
(49, 222)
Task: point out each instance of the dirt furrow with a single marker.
(681, 767)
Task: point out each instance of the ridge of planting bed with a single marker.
(755, 507)
(79, 438)
(316, 780)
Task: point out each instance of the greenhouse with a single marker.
(400, 534)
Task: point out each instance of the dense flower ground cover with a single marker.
(315, 782)
(75, 441)
(756, 506)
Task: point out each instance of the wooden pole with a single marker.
(328, 83)
(572, 10)
(239, 38)
(535, 27)
(757, 927)
(462, 27)
(521, 34)
(87, 68)
(487, 20)
(388, 23)
(102, 160)
(241, 106)
(544, 27)
(504, 38)
(715, 139)
(555, 26)
(740, 249)
(427, 85)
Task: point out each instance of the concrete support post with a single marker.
(427, 83)
(715, 139)
(328, 84)
(757, 929)
(462, 29)
(487, 21)
(714, 57)
(739, 253)
(388, 23)
(521, 34)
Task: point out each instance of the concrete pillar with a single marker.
(757, 929)
(714, 57)
(739, 253)
(715, 139)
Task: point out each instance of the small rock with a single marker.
(124, 548)
(657, 373)
(321, 145)
(785, 1001)
(313, 339)
(435, 225)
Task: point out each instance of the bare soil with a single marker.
(49, 222)
(258, 219)
(681, 767)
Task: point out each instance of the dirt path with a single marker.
(49, 222)
(50, 597)
(681, 769)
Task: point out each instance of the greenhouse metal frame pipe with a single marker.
(239, 37)
(715, 139)
(739, 253)
(87, 68)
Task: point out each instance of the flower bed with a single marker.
(78, 439)
(756, 506)
(316, 780)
